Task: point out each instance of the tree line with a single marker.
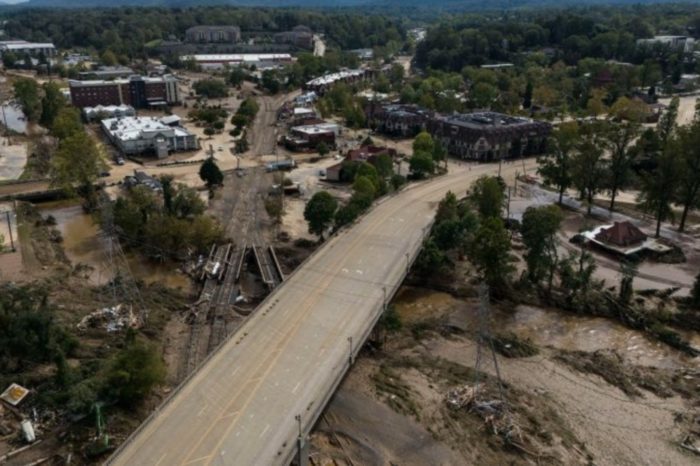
(610, 155)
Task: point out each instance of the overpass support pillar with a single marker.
(302, 452)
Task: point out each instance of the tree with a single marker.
(634, 110)
(629, 271)
(211, 88)
(347, 214)
(538, 229)
(27, 95)
(596, 105)
(270, 81)
(210, 173)
(439, 153)
(384, 166)
(108, 58)
(187, 203)
(617, 139)
(588, 169)
(527, 97)
(555, 166)
(695, 293)
(489, 252)
(66, 123)
(364, 192)
(76, 165)
(423, 143)
(659, 185)
(488, 194)
(134, 373)
(421, 164)
(51, 104)
(322, 149)
(688, 192)
(237, 76)
(668, 123)
(576, 276)
(319, 212)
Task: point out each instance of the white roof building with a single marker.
(22, 46)
(135, 135)
(260, 60)
(108, 111)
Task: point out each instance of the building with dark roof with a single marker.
(622, 234)
(486, 136)
(396, 119)
(213, 35)
(300, 36)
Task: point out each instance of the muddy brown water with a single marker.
(550, 327)
(83, 243)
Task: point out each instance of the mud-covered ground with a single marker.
(595, 393)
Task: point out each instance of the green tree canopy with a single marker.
(210, 173)
(488, 194)
(490, 253)
(421, 164)
(319, 212)
(539, 228)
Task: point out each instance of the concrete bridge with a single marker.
(255, 399)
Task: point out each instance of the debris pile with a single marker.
(112, 319)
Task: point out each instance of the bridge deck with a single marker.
(239, 408)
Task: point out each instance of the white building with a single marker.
(683, 43)
(21, 47)
(260, 60)
(137, 135)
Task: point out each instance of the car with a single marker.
(104, 174)
(221, 149)
(120, 161)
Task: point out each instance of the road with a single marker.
(239, 408)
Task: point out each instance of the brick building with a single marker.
(213, 35)
(396, 119)
(487, 136)
(137, 91)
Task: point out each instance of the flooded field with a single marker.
(84, 244)
(548, 327)
(13, 118)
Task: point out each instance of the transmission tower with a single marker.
(484, 347)
(122, 287)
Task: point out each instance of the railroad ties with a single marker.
(269, 266)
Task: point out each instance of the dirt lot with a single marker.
(564, 415)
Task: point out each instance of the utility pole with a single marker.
(9, 229)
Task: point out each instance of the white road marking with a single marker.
(296, 387)
(267, 427)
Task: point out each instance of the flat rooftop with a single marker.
(484, 120)
(239, 57)
(333, 77)
(134, 128)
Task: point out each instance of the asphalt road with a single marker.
(286, 360)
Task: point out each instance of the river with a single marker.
(83, 243)
(549, 327)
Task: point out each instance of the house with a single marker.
(621, 234)
(136, 91)
(367, 154)
(139, 135)
(397, 119)
(140, 178)
(487, 136)
(307, 137)
(623, 239)
(213, 35)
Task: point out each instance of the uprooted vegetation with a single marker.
(69, 368)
